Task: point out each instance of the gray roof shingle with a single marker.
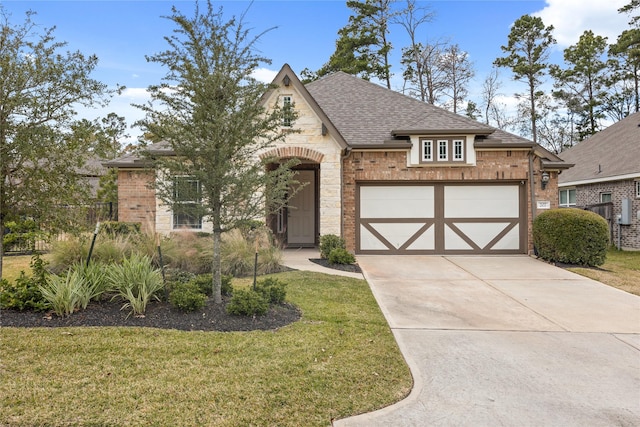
(612, 152)
(366, 113)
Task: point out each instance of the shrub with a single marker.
(341, 256)
(247, 302)
(204, 282)
(238, 252)
(136, 281)
(25, 293)
(62, 292)
(273, 290)
(187, 297)
(329, 242)
(571, 236)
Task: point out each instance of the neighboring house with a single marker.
(388, 173)
(607, 170)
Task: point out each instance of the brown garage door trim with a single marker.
(439, 222)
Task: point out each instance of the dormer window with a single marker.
(443, 150)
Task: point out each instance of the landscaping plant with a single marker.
(95, 282)
(571, 236)
(341, 256)
(187, 297)
(62, 292)
(136, 281)
(24, 293)
(247, 302)
(329, 242)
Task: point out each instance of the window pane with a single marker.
(638, 189)
(572, 197)
(605, 197)
(426, 150)
(563, 197)
(286, 106)
(442, 150)
(457, 150)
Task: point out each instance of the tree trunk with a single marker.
(534, 117)
(1, 244)
(217, 266)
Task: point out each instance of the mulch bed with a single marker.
(352, 268)
(159, 315)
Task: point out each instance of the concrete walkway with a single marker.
(298, 259)
(507, 341)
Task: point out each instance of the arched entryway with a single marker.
(298, 223)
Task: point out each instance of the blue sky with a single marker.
(122, 32)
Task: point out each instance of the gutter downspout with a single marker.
(345, 154)
(532, 189)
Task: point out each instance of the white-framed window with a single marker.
(605, 197)
(443, 150)
(427, 150)
(287, 108)
(458, 149)
(187, 194)
(567, 197)
(637, 189)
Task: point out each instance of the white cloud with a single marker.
(571, 18)
(264, 75)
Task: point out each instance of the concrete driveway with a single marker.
(508, 341)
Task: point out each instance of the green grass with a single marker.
(12, 265)
(340, 359)
(621, 270)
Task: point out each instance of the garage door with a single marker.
(441, 219)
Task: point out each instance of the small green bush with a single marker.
(204, 282)
(247, 302)
(273, 290)
(341, 256)
(329, 242)
(571, 236)
(25, 293)
(187, 297)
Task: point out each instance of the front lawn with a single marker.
(621, 270)
(340, 359)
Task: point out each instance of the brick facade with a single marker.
(391, 166)
(136, 198)
(627, 235)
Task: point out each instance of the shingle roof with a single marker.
(366, 113)
(612, 152)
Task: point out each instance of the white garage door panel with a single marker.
(396, 201)
(441, 218)
(481, 201)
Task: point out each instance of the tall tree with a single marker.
(528, 47)
(582, 85)
(40, 87)
(625, 65)
(458, 71)
(423, 74)
(214, 121)
(411, 18)
(490, 92)
(363, 47)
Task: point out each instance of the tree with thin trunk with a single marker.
(528, 47)
(209, 110)
(41, 85)
(458, 71)
(411, 18)
(363, 47)
(582, 84)
(490, 92)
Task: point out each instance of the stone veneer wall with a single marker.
(590, 195)
(493, 166)
(310, 146)
(136, 198)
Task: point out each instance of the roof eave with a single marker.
(443, 132)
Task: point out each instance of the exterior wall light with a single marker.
(544, 179)
(286, 80)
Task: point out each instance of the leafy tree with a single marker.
(582, 85)
(457, 71)
(630, 8)
(624, 79)
(363, 48)
(40, 87)
(528, 48)
(213, 118)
